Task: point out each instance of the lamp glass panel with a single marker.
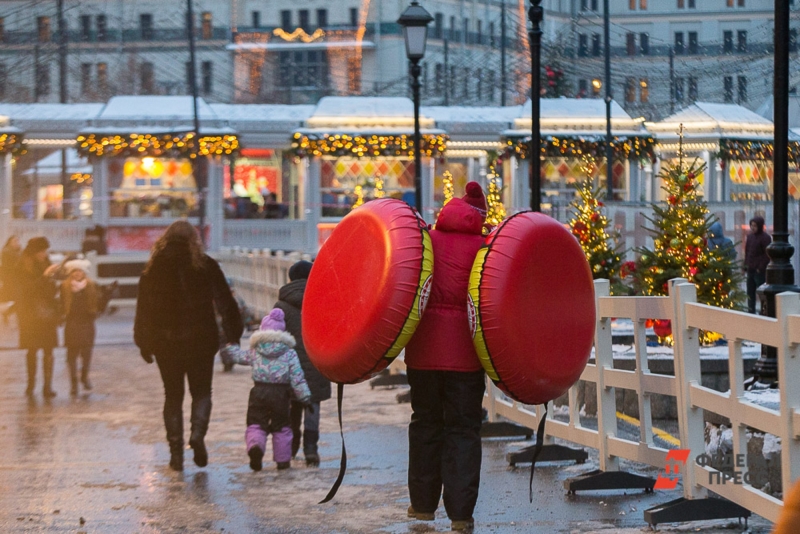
(415, 41)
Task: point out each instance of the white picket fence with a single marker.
(257, 274)
(687, 318)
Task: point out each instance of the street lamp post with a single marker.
(415, 20)
(535, 14)
(780, 273)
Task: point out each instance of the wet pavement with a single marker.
(98, 463)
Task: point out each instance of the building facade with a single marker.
(667, 54)
(249, 51)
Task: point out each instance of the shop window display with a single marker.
(152, 187)
(346, 182)
(257, 189)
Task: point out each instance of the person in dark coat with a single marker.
(37, 310)
(756, 259)
(8, 269)
(81, 302)
(291, 302)
(175, 323)
(446, 377)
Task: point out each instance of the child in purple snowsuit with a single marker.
(276, 373)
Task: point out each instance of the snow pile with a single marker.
(719, 440)
(772, 447)
(766, 398)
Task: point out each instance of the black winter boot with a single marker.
(87, 360)
(173, 421)
(72, 365)
(201, 413)
(47, 367)
(30, 360)
(310, 440)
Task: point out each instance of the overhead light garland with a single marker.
(749, 150)
(630, 148)
(370, 145)
(11, 143)
(177, 145)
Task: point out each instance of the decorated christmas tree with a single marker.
(601, 245)
(496, 210)
(447, 181)
(679, 245)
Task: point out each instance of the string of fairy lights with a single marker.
(629, 148)
(368, 145)
(179, 145)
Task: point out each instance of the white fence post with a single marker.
(788, 371)
(606, 396)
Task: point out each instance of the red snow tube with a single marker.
(532, 314)
(367, 290)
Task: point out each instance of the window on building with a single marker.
(286, 20)
(597, 85)
(679, 89)
(465, 30)
(452, 35)
(303, 69)
(86, 78)
(693, 44)
(679, 43)
(642, 4)
(644, 44)
(730, 3)
(438, 78)
(206, 28)
(353, 17)
(147, 83)
(3, 79)
(479, 31)
(2, 32)
(630, 90)
(793, 40)
(86, 28)
(102, 27)
(492, 41)
(438, 26)
(584, 5)
(583, 88)
(322, 18)
(681, 4)
(42, 80)
(479, 84)
(255, 19)
(490, 85)
(207, 74)
(727, 41)
(742, 82)
(582, 44)
(630, 42)
(692, 89)
(43, 29)
(644, 90)
(741, 41)
(465, 83)
(728, 88)
(102, 78)
(632, 5)
(594, 5)
(146, 26)
(596, 44)
(741, 3)
(692, 4)
(425, 78)
(451, 82)
(304, 19)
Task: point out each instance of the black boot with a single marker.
(310, 439)
(47, 367)
(72, 365)
(173, 421)
(30, 359)
(201, 413)
(296, 419)
(87, 360)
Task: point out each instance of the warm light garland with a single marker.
(11, 142)
(367, 145)
(744, 150)
(447, 181)
(632, 148)
(299, 33)
(177, 145)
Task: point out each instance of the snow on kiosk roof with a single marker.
(713, 121)
(576, 117)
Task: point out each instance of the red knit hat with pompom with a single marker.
(476, 198)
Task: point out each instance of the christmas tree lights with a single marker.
(496, 210)
(447, 184)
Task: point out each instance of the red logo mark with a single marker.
(675, 459)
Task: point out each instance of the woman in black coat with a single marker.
(175, 322)
(38, 311)
(291, 302)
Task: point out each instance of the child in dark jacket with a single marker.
(80, 302)
(276, 373)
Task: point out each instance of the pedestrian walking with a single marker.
(755, 259)
(81, 302)
(276, 373)
(8, 268)
(718, 241)
(38, 311)
(446, 377)
(178, 293)
(290, 300)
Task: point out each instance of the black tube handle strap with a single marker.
(343, 462)
(537, 449)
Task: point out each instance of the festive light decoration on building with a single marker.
(299, 33)
(630, 148)
(739, 149)
(359, 192)
(367, 145)
(679, 245)
(590, 226)
(378, 192)
(12, 143)
(81, 178)
(176, 145)
(496, 212)
(447, 181)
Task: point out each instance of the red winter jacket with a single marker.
(442, 341)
